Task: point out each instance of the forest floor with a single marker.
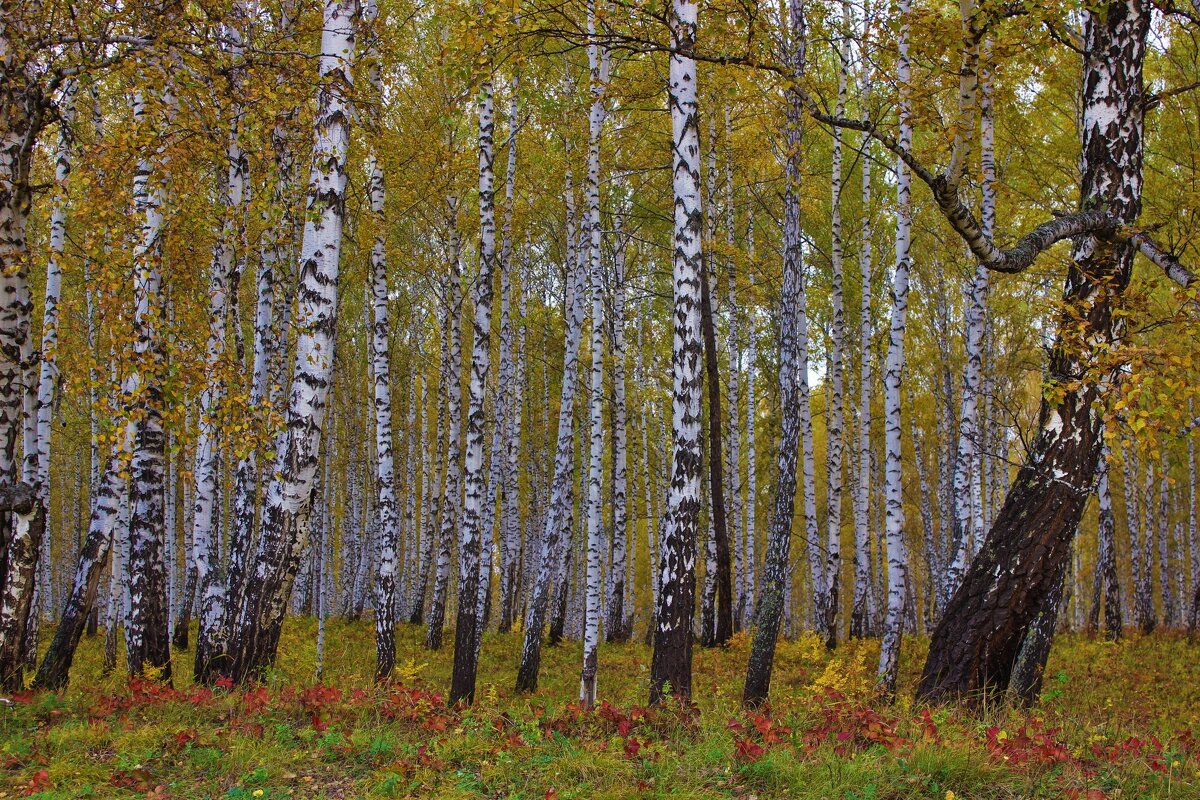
(1115, 721)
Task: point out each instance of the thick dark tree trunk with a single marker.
(716, 479)
(974, 648)
(1030, 669)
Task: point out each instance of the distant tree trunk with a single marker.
(510, 399)
(620, 604)
(462, 681)
(598, 69)
(566, 558)
(671, 664)
(722, 627)
(1133, 521)
(751, 524)
(861, 607)
(1146, 527)
(1105, 588)
(967, 460)
(836, 420)
(976, 643)
(1170, 615)
(261, 606)
(1193, 534)
(558, 514)
(452, 381)
(897, 555)
(432, 487)
(733, 432)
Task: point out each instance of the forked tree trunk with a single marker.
(558, 515)
(1030, 669)
(974, 647)
(769, 611)
(206, 554)
(282, 540)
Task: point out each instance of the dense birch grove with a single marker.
(603, 322)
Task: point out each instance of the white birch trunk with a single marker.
(206, 555)
(620, 607)
(835, 428)
(897, 558)
(672, 659)
(462, 685)
(558, 515)
(861, 615)
(147, 637)
(452, 383)
(262, 604)
(598, 64)
(750, 526)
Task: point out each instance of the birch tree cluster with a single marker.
(597, 321)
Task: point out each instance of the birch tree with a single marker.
(671, 664)
(452, 384)
(558, 515)
(462, 684)
(1067, 442)
(793, 383)
(897, 557)
(598, 69)
(206, 554)
(617, 628)
(147, 637)
(385, 501)
(262, 602)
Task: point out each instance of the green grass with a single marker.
(1115, 721)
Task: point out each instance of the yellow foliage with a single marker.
(847, 672)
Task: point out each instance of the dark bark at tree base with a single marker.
(18, 565)
(974, 648)
(1030, 669)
